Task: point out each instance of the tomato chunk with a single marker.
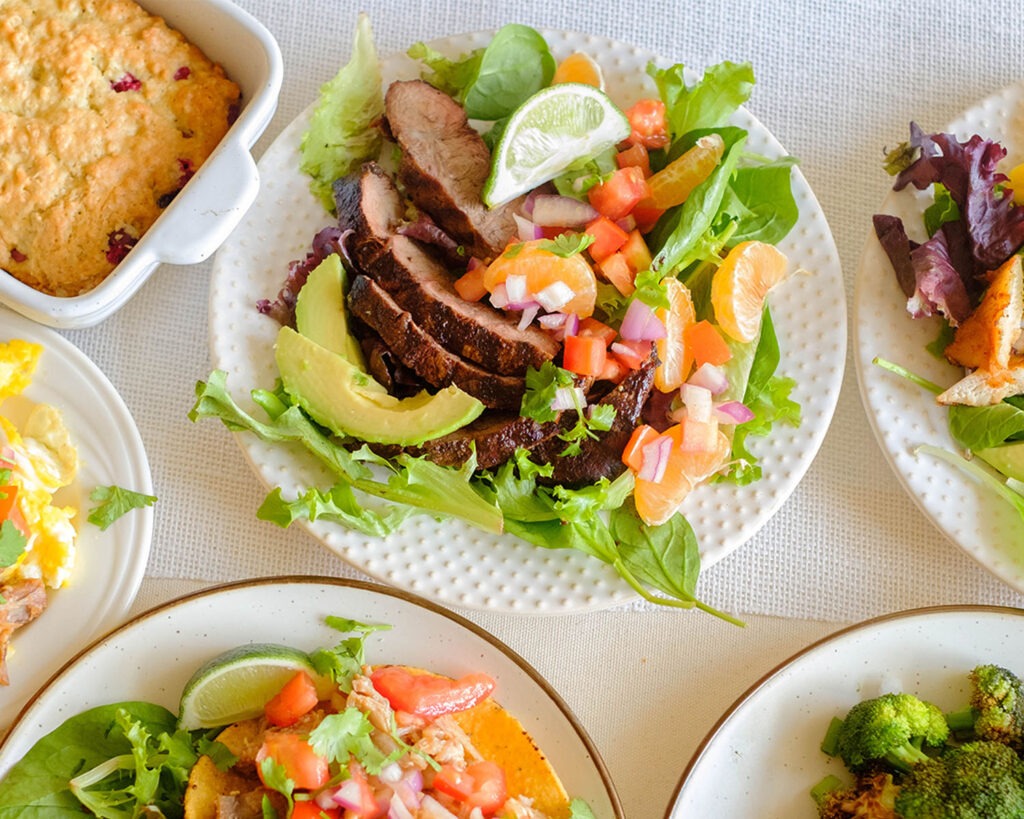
(471, 285)
(482, 785)
(649, 123)
(301, 763)
(297, 698)
(428, 695)
(617, 196)
(311, 810)
(8, 495)
(584, 355)
(637, 156)
(590, 326)
(608, 237)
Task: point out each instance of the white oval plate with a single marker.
(904, 416)
(110, 563)
(152, 657)
(452, 562)
(766, 746)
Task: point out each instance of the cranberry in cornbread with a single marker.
(105, 113)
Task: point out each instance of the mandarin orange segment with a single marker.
(674, 183)
(579, 67)
(543, 268)
(673, 353)
(740, 286)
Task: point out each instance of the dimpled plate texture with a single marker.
(152, 657)
(767, 745)
(449, 561)
(110, 563)
(905, 416)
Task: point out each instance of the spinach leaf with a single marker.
(664, 557)
(983, 427)
(37, 786)
(760, 197)
(708, 103)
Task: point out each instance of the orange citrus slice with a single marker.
(741, 284)
(579, 67)
(673, 353)
(543, 268)
(674, 183)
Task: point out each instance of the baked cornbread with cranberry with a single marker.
(105, 113)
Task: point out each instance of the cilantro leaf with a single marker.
(650, 290)
(578, 809)
(12, 543)
(339, 736)
(541, 386)
(568, 244)
(346, 659)
(113, 502)
(275, 776)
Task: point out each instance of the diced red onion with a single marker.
(527, 206)
(697, 401)
(325, 800)
(529, 314)
(430, 808)
(499, 296)
(552, 321)
(519, 306)
(476, 813)
(398, 810)
(627, 222)
(552, 210)
(733, 412)
(473, 264)
(555, 296)
(390, 773)
(640, 323)
(348, 795)
(515, 287)
(527, 230)
(710, 377)
(655, 459)
(566, 398)
(572, 325)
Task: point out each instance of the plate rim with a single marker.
(831, 377)
(402, 595)
(922, 612)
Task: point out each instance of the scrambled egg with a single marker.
(41, 459)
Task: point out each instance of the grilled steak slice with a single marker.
(368, 204)
(423, 355)
(472, 330)
(24, 601)
(602, 457)
(444, 166)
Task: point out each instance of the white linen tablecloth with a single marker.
(836, 83)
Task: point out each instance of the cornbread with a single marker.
(105, 113)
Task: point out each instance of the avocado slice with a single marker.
(1008, 459)
(320, 312)
(346, 400)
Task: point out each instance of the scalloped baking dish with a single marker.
(213, 202)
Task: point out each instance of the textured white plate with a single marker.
(449, 561)
(110, 563)
(904, 416)
(152, 657)
(763, 756)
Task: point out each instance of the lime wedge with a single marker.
(238, 683)
(555, 128)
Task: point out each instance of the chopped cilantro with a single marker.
(568, 244)
(346, 659)
(650, 290)
(513, 250)
(344, 735)
(12, 543)
(5, 476)
(113, 502)
(541, 386)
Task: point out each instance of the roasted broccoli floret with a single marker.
(890, 729)
(872, 796)
(979, 780)
(997, 697)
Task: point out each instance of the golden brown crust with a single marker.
(83, 161)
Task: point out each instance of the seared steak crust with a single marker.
(421, 353)
(368, 205)
(444, 166)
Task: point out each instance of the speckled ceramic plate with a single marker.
(449, 561)
(110, 563)
(766, 746)
(904, 416)
(152, 657)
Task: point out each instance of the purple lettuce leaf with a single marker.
(282, 309)
(939, 287)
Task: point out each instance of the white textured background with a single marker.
(837, 82)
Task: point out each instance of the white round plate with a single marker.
(447, 560)
(905, 416)
(767, 745)
(110, 563)
(152, 657)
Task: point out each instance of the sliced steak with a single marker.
(473, 330)
(370, 206)
(444, 166)
(602, 457)
(423, 355)
(24, 601)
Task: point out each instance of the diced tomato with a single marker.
(297, 698)
(618, 195)
(428, 695)
(8, 495)
(301, 763)
(706, 343)
(633, 454)
(608, 237)
(481, 785)
(638, 257)
(590, 326)
(635, 156)
(471, 285)
(613, 370)
(552, 231)
(584, 355)
(646, 214)
(649, 123)
(311, 810)
(616, 270)
(631, 353)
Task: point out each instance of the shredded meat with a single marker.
(368, 700)
(23, 602)
(446, 742)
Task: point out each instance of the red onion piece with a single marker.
(555, 296)
(552, 321)
(529, 314)
(627, 222)
(552, 210)
(710, 377)
(499, 297)
(432, 809)
(572, 325)
(528, 231)
(515, 287)
(733, 412)
(348, 795)
(655, 459)
(398, 810)
(640, 323)
(566, 398)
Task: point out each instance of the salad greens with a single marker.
(113, 502)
